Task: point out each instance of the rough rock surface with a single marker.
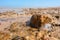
(39, 20)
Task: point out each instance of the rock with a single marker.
(47, 27)
(35, 22)
(18, 38)
(57, 17)
(38, 20)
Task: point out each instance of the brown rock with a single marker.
(39, 20)
(34, 21)
(18, 38)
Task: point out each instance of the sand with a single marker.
(18, 25)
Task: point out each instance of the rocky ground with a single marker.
(16, 26)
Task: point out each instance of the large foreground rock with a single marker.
(38, 20)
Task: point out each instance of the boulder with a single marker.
(38, 20)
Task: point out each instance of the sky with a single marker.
(29, 3)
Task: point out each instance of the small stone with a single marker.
(48, 27)
(18, 38)
(57, 17)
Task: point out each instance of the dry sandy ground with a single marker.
(16, 25)
(7, 21)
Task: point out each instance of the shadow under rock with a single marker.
(28, 23)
